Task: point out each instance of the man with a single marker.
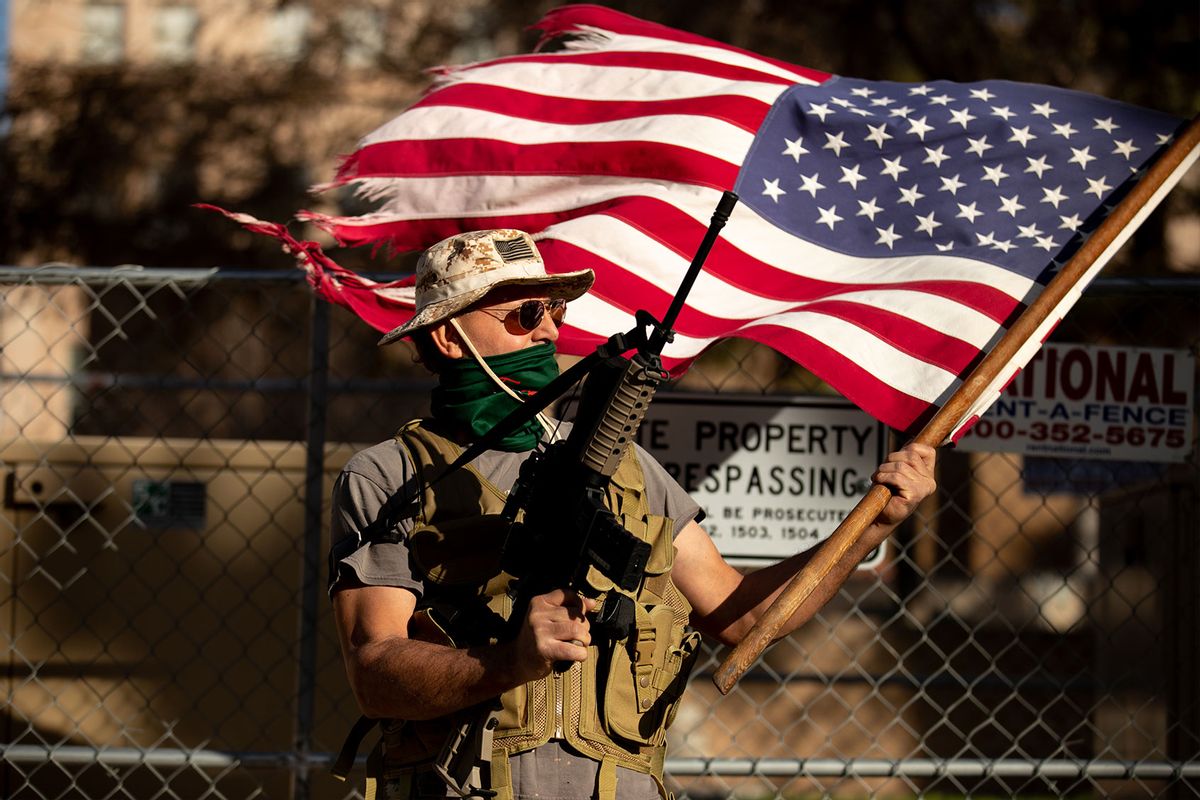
(420, 599)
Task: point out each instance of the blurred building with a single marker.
(146, 33)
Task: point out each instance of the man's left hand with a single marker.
(909, 474)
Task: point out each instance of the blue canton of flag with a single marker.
(1008, 173)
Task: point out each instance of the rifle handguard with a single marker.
(631, 386)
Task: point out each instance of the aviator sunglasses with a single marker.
(528, 315)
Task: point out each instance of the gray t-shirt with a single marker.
(369, 479)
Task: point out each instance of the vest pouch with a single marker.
(689, 653)
(411, 745)
(526, 719)
(522, 708)
(647, 674)
(657, 531)
(465, 595)
(410, 749)
(460, 552)
(662, 544)
(514, 712)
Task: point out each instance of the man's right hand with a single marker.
(556, 629)
(396, 676)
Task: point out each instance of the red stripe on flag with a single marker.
(629, 292)
(629, 159)
(744, 112)
(966, 426)
(366, 298)
(906, 335)
(406, 235)
(569, 19)
(878, 398)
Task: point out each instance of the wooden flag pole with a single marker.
(1109, 236)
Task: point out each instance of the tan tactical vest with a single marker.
(616, 706)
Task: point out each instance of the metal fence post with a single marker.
(314, 491)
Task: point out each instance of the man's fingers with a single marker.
(908, 473)
(893, 473)
(567, 630)
(919, 455)
(568, 651)
(568, 599)
(912, 464)
(559, 620)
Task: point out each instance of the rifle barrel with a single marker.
(719, 218)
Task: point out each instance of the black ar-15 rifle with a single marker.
(566, 528)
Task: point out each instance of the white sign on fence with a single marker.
(774, 475)
(1088, 401)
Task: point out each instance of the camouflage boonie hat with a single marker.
(457, 272)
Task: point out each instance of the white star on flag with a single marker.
(978, 146)
(878, 135)
(772, 190)
(1081, 157)
(821, 110)
(828, 216)
(795, 148)
(951, 185)
(910, 195)
(868, 209)
(1038, 165)
(962, 116)
(1125, 148)
(1054, 196)
(888, 236)
(927, 223)
(1022, 136)
(968, 212)
(1097, 186)
(835, 142)
(852, 176)
(1011, 205)
(918, 127)
(893, 168)
(809, 183)
(935, 155)
(1065, 130)
(1043, 109)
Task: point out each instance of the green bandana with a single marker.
(467, 397)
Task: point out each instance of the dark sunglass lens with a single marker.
(529, 314)
(558, 311)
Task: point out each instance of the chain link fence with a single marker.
(167, 442)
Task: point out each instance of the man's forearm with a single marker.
(758, 589)
(401, 678)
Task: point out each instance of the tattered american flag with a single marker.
(888, 231)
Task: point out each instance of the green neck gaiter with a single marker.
(466, 397)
